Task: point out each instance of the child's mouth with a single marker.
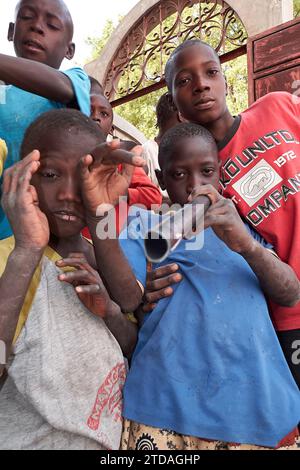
(33, 46)
(204, 105)
(67, 216)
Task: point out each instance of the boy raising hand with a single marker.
(42, 36)
(67, 366)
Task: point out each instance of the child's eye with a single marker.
(53, 26)
(183, 81)
(178, 174)
(104, 114)
(212, 72)
(208, 171)
(49, 174)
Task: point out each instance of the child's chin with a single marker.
(67, 232)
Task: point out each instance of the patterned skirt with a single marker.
(146, 438)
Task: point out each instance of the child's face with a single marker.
(198, 85)
(101, 112)
(193, 162)
(42, 32)
(58, 181)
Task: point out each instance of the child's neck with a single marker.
(65, 246)
(221, 127)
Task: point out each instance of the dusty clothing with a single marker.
(65, 377)
(140, 437)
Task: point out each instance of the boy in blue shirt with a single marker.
(42, 36)
(208, 369)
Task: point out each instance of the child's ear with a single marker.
(171, 101)
(71, 51)
(226, 85)
(160, 179)
(10, 32)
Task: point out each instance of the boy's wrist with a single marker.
(94, 221)
(251, 251)
(25, 252)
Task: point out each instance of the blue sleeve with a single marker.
(81, 86)
(259, 238)
(132, 242)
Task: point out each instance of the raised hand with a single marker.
(101, 180)
(20, 202)
(87, 284)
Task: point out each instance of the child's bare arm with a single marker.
(102, 184)
(31, 232)
(36, 78)
(14, 284)
(277, 279)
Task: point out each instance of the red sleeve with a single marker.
(142, 190)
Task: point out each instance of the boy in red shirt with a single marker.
(260, 155)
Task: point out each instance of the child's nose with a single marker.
(194, 182)
(37, 26)
(201, 83)
(70, 190)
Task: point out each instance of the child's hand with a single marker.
(224, 219)
(101, 181)
(159, 285)
(87, 284)
(20, 202)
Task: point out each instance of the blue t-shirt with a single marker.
(208, 362)
(18, 109)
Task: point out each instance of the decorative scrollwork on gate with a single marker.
(140, 60)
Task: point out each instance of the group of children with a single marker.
(211, 375)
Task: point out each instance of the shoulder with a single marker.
(76, 72)
(274, 100)
(81, 86)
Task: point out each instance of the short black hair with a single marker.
(165, 110)
(59, 120)
(183, 130)
(181, 47)
(95, 84)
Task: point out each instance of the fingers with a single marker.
(79, 278)
(123, 156)
(154, 297)
(78, 261)
(158, 285)
(164, 282)
(115, 144)
(15, 175)
(162, 271)
(137, 150)
(110, 153)
(148, 308)
(91, 289)
(26, 176)
(205, 190)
